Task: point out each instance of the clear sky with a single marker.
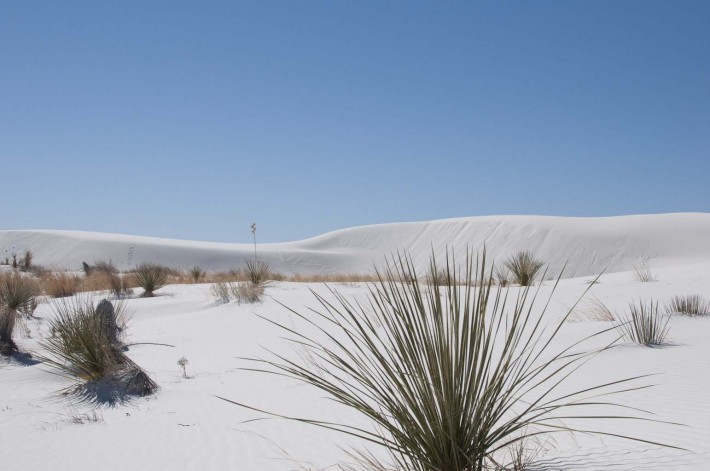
(195, 119)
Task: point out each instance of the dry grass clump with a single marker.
(115, 283)
(17, 295)
(247, 293)
(524, 267)
(645, 324)
(59, 284)
(592, 310)
(85, 345)
(331, 278)
(221, 291)
(151, 277)
(449, 376)
(643, 273)
(243, 292)
(692, 305)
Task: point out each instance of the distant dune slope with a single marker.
(588, 245)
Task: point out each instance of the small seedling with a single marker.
(182, 362)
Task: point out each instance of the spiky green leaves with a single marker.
(449, 373)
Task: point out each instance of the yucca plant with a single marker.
(524, 267)
(17, 294)
(257, 272)
(645, 324)
(692, 305)
(85, 346)
(449, 375)
(196, 273)
(151, 277)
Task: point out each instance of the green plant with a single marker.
(84, 346)
(17, 294)
(257, 272)
(151, 277)
(183, 362)
(27, 260)
(197, 273)
(447, 379)
(645, 324)
(524, 267)
(692, 305)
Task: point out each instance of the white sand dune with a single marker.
(184, 426)
(588, 245)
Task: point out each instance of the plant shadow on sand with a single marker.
(22, 359)
(112, 391)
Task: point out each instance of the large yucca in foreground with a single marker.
(449, 373)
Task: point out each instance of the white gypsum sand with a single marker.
(185, 426)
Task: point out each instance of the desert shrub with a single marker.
(104, 266)
(446, 382)
(243, 292)
(247, 292)
(61, 284)
(27, 260)
(85, 345)
(196, 274)
(257, 271)
(115, 283)
(151, 277)
(643, 273)
(592, 310)
(221, 291)
(330, 278)
(645, 324)
(17, 295)
(692, 305)
(437, 276)
(502, 276)
(524, 267)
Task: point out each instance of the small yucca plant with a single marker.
(448, 375)
(692, 305)
(524, 267)
(80, 345)
(17, 294)
(196, 274)
(257, 272)
(151, 277)
(645, 324)
(85, 346)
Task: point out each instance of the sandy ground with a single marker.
(185, 426)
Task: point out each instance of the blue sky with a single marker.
(195, 119)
